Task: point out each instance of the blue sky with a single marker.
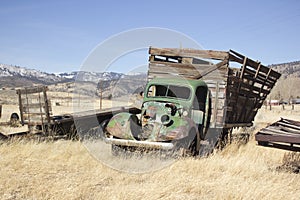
(57, 36)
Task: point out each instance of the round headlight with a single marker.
(165, 119)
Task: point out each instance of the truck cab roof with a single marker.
(193, 83)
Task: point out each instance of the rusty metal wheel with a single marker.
(56, 130)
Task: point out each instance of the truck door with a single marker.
(199, 108)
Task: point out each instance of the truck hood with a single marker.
(160, 121)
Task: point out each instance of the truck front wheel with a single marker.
(193, 145)
(188, 145)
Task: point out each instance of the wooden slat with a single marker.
(166, 75)
(247, 93)
(35, 113)
(288, 125)
(31, 90)
(292, 122)
(260, 77)
(234, 56)
(222, 64)
(253, 88)
(175, 68)
(210, 54)
(276, 130)
(287, 129)
(33, 105)
(179, 66)
(198, 71)
(258, 81)
(268, 137)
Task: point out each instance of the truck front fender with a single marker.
(124, 126)
(179, 129)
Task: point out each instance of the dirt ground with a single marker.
(67, 170)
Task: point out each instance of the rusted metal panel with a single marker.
(284, 133)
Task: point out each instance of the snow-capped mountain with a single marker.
(91, 76)
(20, 72)
(15, 76)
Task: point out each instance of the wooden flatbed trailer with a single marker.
(36, 112)
(65, 126)
(283, 134)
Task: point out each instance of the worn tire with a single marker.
(193, 145)
(188, 145)
(57, 130)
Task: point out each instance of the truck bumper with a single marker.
(141, 144)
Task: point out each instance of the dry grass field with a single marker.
(66, 170)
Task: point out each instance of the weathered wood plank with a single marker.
(269, 137)
(291, 130)
(288, 125)
(250, 78)
(31, 90)
(234, 56)
(260, 77)
(223, 64)
(276, 130)
(34, 105)
(199, 71)
(210, 54)
(292, 122)
(235, 92)
(254, 89)
(179, 66)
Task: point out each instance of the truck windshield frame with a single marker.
(169, 91)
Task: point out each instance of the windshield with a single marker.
(172, 91)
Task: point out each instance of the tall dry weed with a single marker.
(290, 162)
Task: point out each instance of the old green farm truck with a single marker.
(193, 99)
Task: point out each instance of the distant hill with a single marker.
(288, 69)
(287, 87)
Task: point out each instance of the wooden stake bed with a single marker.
(237, 93)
